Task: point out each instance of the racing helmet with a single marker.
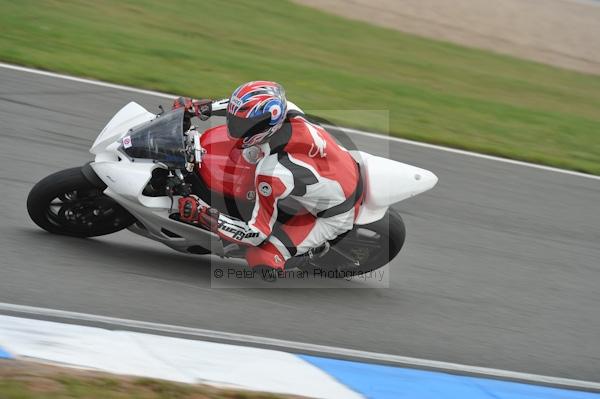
(256, 110)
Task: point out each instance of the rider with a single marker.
(298, 159)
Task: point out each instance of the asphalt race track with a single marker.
(501, 267)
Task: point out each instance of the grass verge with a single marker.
(29, 380)
(435, 92)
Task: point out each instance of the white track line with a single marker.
(349, 130)
(303, 347)
(86, 81)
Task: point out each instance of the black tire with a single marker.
(389, 234)
(69, 204)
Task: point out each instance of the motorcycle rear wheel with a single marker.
(67, 203)
(371, 246)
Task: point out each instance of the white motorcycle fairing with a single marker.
(126, 179)
(385, 182)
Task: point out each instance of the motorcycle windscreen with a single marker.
(160, 140)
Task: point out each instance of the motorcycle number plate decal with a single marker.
(127, 141)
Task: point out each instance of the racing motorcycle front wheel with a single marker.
(363, 249)
(68, 203)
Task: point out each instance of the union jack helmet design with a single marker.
(256, 110)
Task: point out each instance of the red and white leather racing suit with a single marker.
(304, 162)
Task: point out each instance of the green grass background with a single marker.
(434, 91)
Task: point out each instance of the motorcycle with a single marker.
(144, 162)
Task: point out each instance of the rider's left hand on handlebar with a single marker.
(193, 210)
(200, 108)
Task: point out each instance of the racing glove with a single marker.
(192, 211)
(200, 108)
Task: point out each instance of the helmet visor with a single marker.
(247, 127)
